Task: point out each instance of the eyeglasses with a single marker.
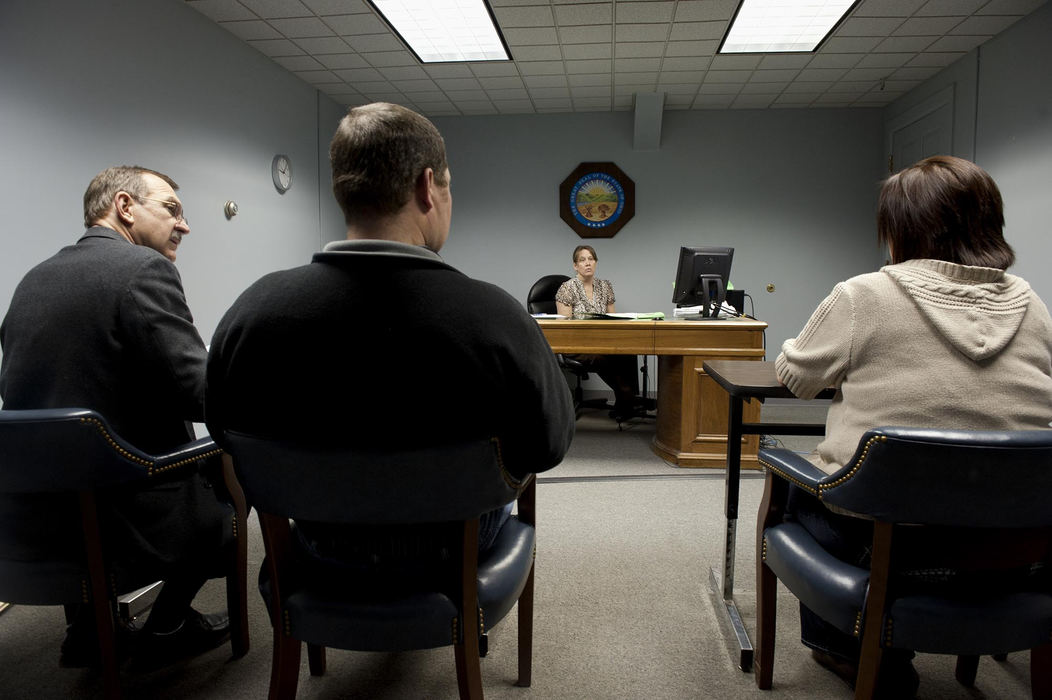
(176, 210)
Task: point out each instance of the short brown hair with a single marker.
(589, 248)
(378, 152)
(944, 208)
(98, 198)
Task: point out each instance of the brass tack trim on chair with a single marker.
(806, 487)
(854, 468)
(211, 453)
(887, 632)
(84, 591)
(113, 443)
(858, 623)
(763, 549)
(287, 623)
(455, 620)
(482, 622)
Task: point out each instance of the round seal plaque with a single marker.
(596, 200)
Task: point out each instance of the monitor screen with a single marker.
(702, 277)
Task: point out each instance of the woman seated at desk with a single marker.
(587, 294)
(941, 338)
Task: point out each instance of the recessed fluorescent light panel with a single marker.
(782, 26)
(439, 31)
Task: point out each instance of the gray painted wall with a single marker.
(86, 85)
(792, 191)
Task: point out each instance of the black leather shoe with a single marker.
(198, 633)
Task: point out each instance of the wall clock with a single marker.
(281, 171)
(597, 199)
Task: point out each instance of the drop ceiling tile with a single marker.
(221, 10)
(251, 29)
(933, 58)
(299, 63)
(677, 88)
(735, 62)
(641, 32)
(705, 10)
(901, 85)
(584, 14)
(850, 44)
(596, 66)
(918, 73)
(856, 87)
(536, 53)
(679, 101)
(686, 63)
(369, 87)
(479, 107)
(685, 77)
(644, 49)
(531, 16)
(390, 58)
(636, 65)
(343, 60)
(592, 104)
(783, 75)
(544, 81)
(743, 101)
(371, 43)
(869, 74)
(530, 36)
(590, 79)
(950, 7)
(359, 75)
(835, 60)
(785, 61)
(592, 34)
(587, 51)
(648, 80)
(1010, 7)
(728, 76)
(957, 43)
(449, 70)
(495, 69)
(984, 25)
(541, 68)
(452, 84)
(691, 48)
(590, 91)
(349, 25)
(323, 45)
(301, 27)
(832, 99)
(713, 101)
(548, 93)
(888, 8)
(337, 7)
(697, 31)
(643, 12)
(808, 87)
(274, 9)
(502, 83)
(394, 73)
(753, 88)
(508, 94)
(277, 47)
(904, 44)
(868, 26)
(820, 74)
(885, 60)
(927, 26)
(430, 94)
(710, 88)
(460, 95)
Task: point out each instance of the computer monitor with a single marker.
(702, 277)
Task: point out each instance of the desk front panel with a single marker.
(692, 408)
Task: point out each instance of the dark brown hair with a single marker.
(944, 208)
(589, 248)
(378, 152)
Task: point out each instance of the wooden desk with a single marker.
(745, 381)
(691, 418)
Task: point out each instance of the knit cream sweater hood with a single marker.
(977, 309)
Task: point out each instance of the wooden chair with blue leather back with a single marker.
(973, 505)
(327, 603)
(73, 453)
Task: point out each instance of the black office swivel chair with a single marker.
(541, 300)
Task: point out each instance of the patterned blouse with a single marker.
(572, 294)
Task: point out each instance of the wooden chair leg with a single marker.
(284, 667)
(526, 634)
(872, 651)
(1041, 672)
(766, 611)
(967, 667)
(105, 628)
(469, 668)
(237, 571)
(316, 659)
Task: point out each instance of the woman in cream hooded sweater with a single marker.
(942, 338)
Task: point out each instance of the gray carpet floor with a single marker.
(623, 609)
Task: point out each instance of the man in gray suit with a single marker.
(104, 325)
